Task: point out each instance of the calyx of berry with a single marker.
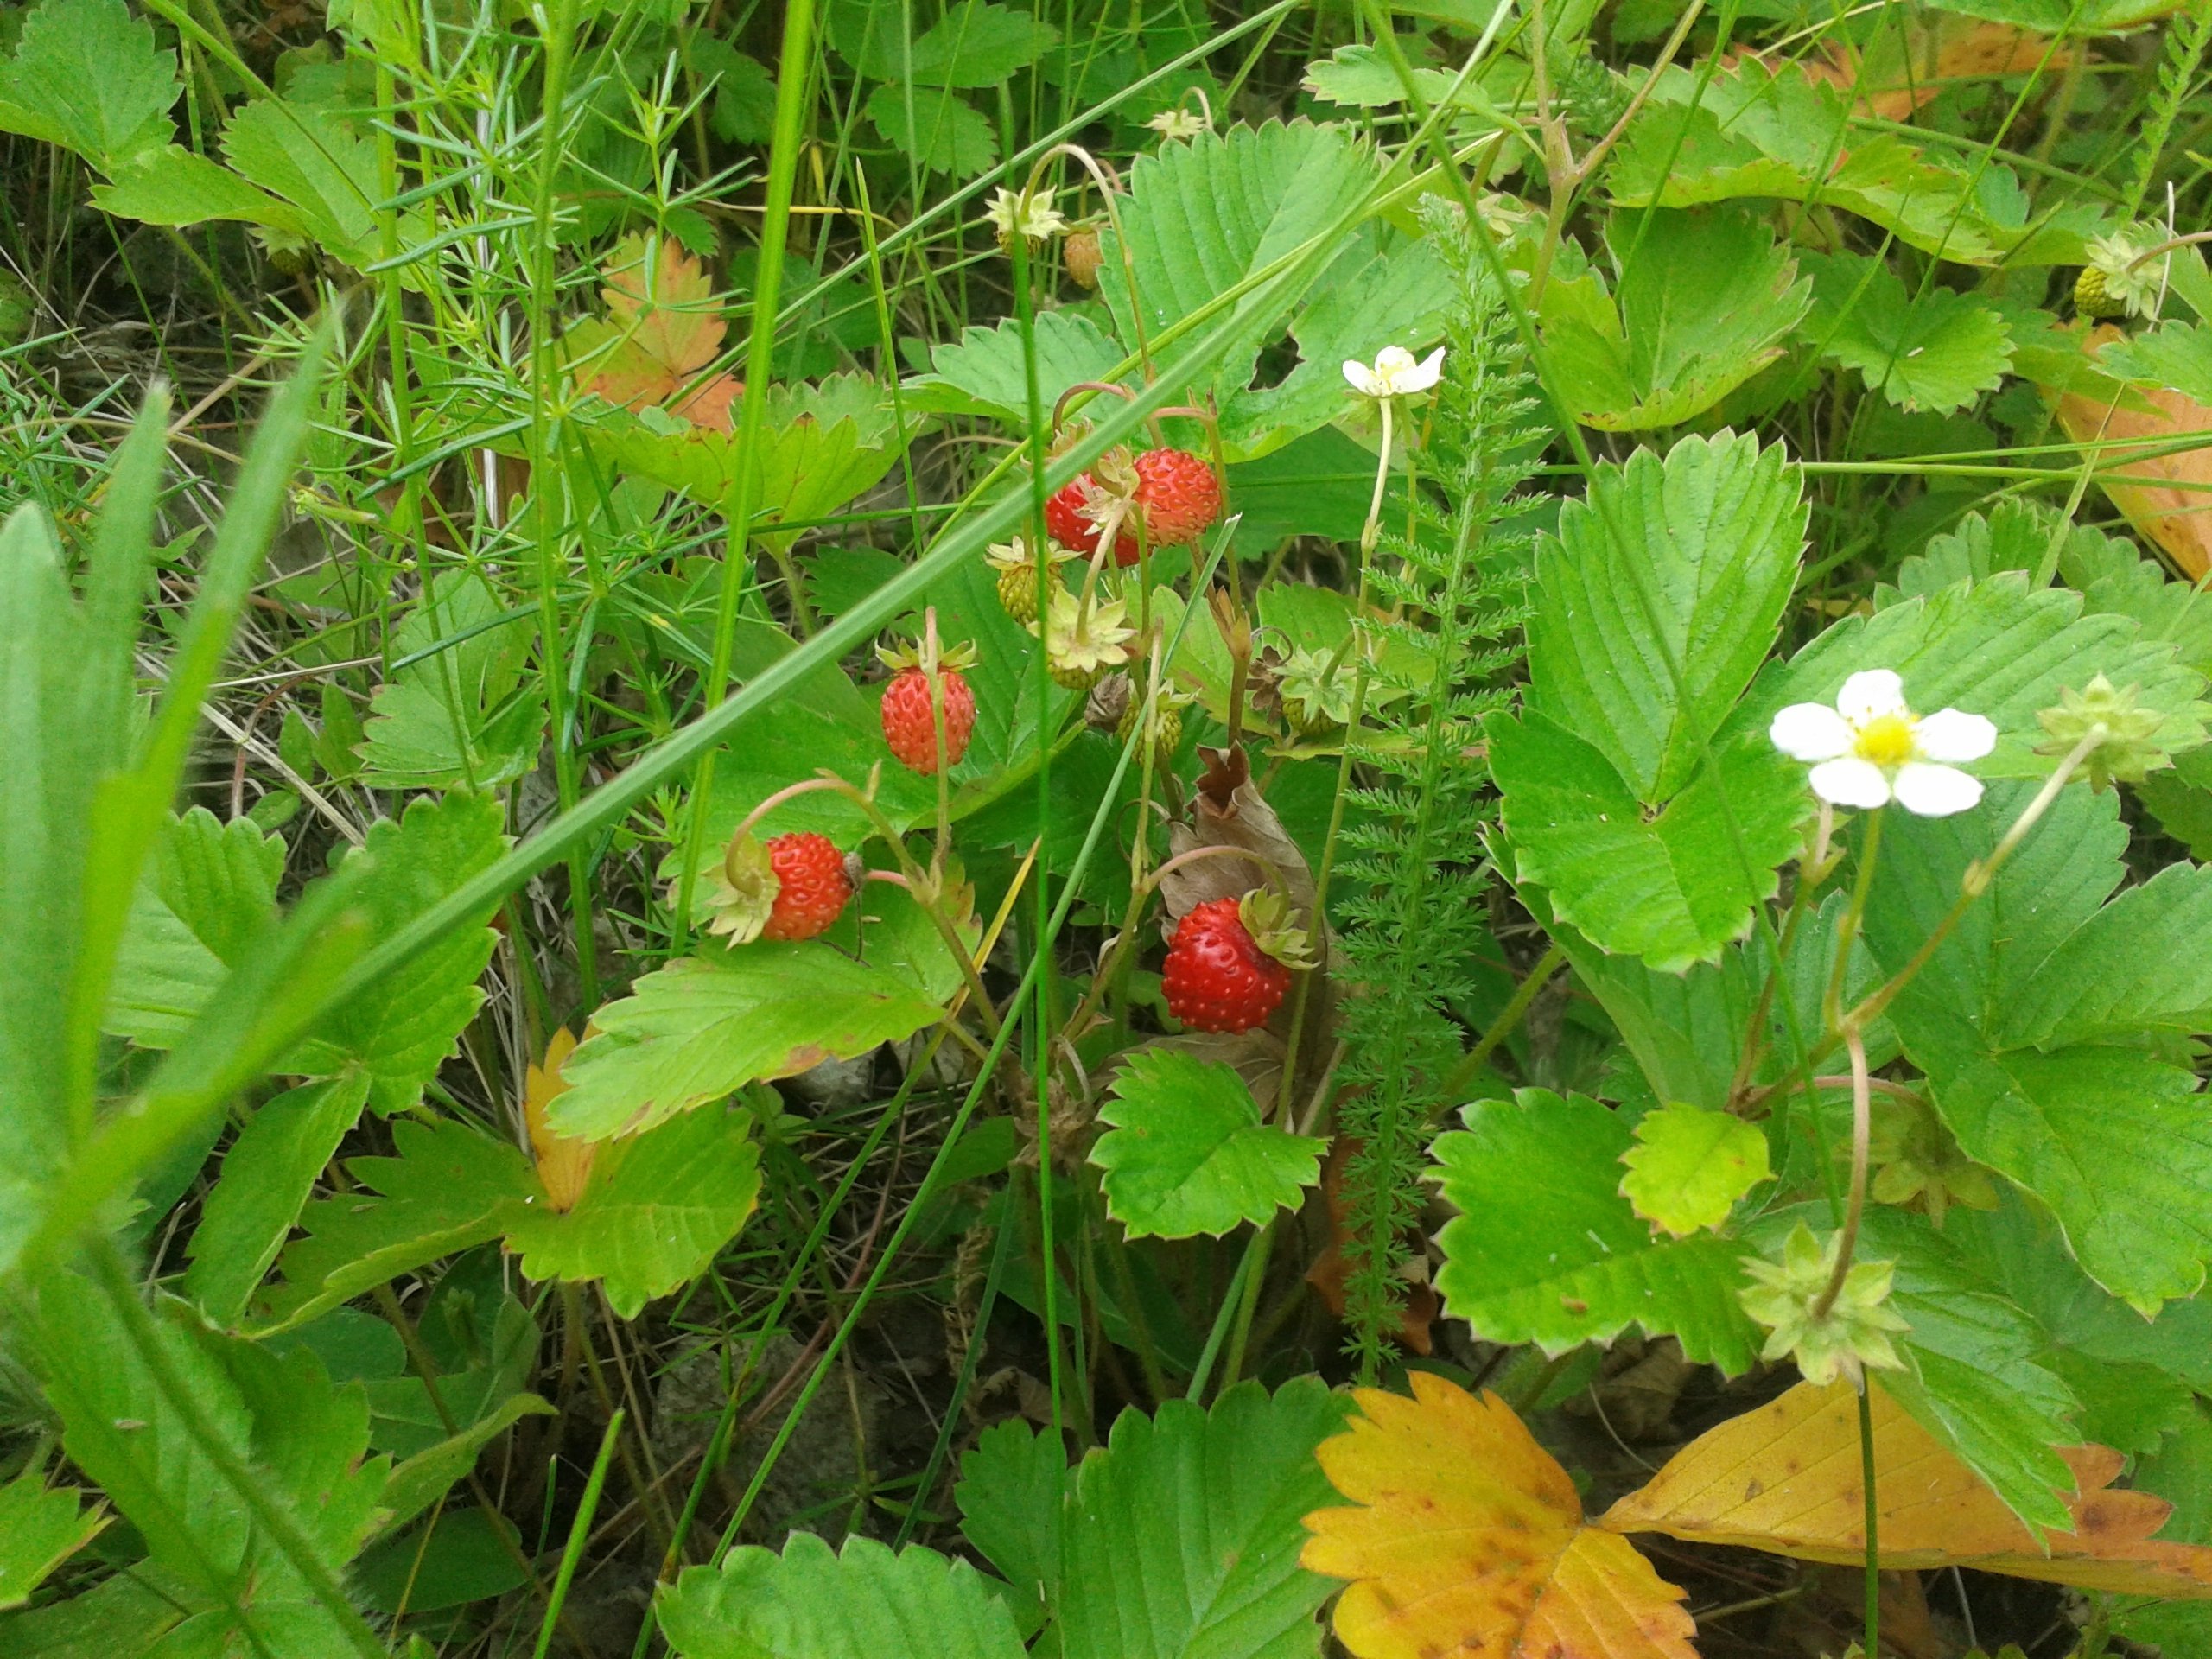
(929, 655)
(742, 891)
(1266, 916)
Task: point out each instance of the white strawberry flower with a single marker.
(1394, 373)
(1871, 748)
(1031, 215)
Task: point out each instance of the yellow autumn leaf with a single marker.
(1466, 1537)
(1785, 1478)
(563, 1163)
(2166, 496)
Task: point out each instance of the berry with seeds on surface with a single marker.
(1180, 495)
(910, 719)
(811, 886)
(1229, 964)
(1083, 256)
(2092, 298)
(1016, 568)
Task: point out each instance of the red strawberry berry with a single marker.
(1176, 494)
(1180, 495)
(811, 886)
(1063, 519)
(1230, 963)
(909, 725)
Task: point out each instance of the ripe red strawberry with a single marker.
(1176, 494)
(909, 723)
(1229, 964)
(1063, 519)
(811, 886)
(1180, 495)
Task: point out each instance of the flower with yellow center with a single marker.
(1396, 372)
(1871, 748)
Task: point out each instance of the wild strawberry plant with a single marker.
(803, 802)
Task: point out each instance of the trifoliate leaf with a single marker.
(1705, 302)
(986, 371)
(1689, 1166)
(1936, 350)
(1188, 1151)
(325, 167)
(1545, 1249)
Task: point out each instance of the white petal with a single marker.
(1869, 694)
(1424, 374)
(1936, 791)
(1811, 731)
(1852, 782)
(1364, 379)
(1392, 364)
(1948, 735)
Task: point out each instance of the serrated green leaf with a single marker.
(1204, 216)
(1705, 304)
(1752, 131)
(447, 1187)
(459, 712)
(41, 1527)
(1673, 888)
(87, 75)
(821, 446)
(310, 158)
(2070, 1124)
(863, 1603)
(977, 44)
(302, 1440)
(175, 185)
(267, 1176)
(1938, 350)
(985, 371)
(1545, 1249)
(204, 899)
(1689, 1166)
(401, 1028)
(1679, 566)
(657, 1206)
(1188, 1151)
(704, 1027)
(935, 125)
(2140, 964)
(745, 93)
(1181, 1538)
(2175, 356)
(1012, 1482)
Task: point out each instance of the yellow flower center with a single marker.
(1886, 739)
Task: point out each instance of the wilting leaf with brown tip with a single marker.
(1467, 1538)
(2171, 504)
(1786, 1478)
(663, 329)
